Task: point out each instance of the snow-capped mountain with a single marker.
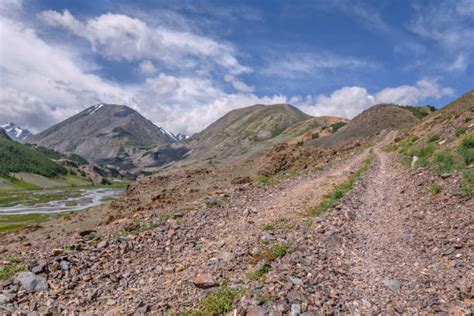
(180, 137)
(102, 133)
(15, 132)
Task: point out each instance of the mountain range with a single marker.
(117, 135)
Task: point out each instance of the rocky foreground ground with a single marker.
(388, 247)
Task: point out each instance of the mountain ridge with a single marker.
(103, 131)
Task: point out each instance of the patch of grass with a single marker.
(467, 187)
(260, 273)
(466, 149)
(13, 265)
(266, 180)
(460, 131)
(220, 301)
(23, 185)
(391, 148)
(271, 254)
(217, 202)
(435, 188)
(444, 161)
(164, 217)
(15, 222)
(36, 197)
(268, 227)
(317, 168)
(340, 190)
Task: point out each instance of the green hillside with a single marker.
(16, 157)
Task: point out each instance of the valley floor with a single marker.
(389, 246)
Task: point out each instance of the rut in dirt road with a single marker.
(411, 252)
(389, 247)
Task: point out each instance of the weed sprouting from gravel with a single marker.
(216, 303)
(271, 254)
(268, 227)
(435, 188)
(259, 273)
(265, 180)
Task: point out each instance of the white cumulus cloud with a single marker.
(350, 101)
(121, 37)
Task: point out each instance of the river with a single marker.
(87, 198)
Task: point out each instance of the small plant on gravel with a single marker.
(266, 180)
(268, 227)
(467, 188)
(220, 301)
(460, 131)
(260, 273)
(11, 266)
(271, 254)
(317, 168)
(435, 188)
(164, 217)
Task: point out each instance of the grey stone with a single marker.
(102, 244)
(295, 309)
(393, 285)
(31, 282)
(296, 281)
(64, 265)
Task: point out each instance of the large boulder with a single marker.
(32, 282)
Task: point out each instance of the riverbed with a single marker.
(81, 199)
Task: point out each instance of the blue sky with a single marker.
(184, 64)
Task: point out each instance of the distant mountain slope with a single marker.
(16, 133)
(103, 132)
(368, 123)
(15, 157)
(242, 132)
